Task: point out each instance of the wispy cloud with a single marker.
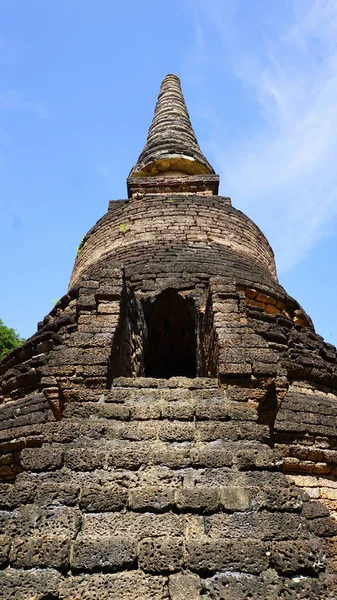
(282, 171)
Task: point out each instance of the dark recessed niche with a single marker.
(171, 343)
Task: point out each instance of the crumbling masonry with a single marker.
(170, 430)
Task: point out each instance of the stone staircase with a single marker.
(159, 489)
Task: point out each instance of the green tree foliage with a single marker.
(9, 339)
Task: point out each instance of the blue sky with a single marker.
(78, 85)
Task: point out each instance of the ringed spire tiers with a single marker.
(171, 149)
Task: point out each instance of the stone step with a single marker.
(170, 430)
(176, 497)
(149, 395)
(91, 454)
(173, 382)
(148, 407)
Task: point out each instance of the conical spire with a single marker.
(171, 146)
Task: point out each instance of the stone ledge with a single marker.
(195, 184)
(151, 382)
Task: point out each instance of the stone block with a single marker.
(262, 525)
(146, 411)
(297, 556)
(160, 555)
(323, 527)
(113, 411)
(214, 454)
(45, 552)
(232, 430)
(41, 459)
(129, 455)
(184, 586)
(328, 493)
(174, 456)
(151, 498)
(135, 525)
(176, 431)
(57, 493)
(228, 586)
(313, 509)
(141, 430)
(203, 499)
(205, 410)
(106, 553)
(5, 521)
(244, 412)
(131, 585)
(102, 498)
(17, 584)
(234, 498)
(250, 455)
(279, 499)
(176, 410)
(234, 369)
(108, 307)
(211, 431)
(227, 555)
(15, 494)
(38, 521)
(84, 459)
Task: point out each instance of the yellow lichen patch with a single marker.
(272, 310)
(262, 298)
(274, 306)
(183, 164)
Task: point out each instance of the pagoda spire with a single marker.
(171, 147)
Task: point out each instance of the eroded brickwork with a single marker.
(169, 488)
(217, 485)
(174, 219)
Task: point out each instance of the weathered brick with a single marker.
(218, 555)
(160, 555)
(57, 493)
(129, 586)
(102, 498)
(24, 585)
(135, 525)
(293, 557)
(13, 495)
(45, 552)
(151, 498)
(84, 459)
(198, 498)
(41, 459)
(184, 586)
(106, 553)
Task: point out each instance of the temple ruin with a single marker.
(169, 433)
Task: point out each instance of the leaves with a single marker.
(123, 228)
(9, 339)
(79, 247)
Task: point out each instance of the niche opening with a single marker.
(171, 341)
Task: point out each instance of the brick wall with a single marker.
(167, 220)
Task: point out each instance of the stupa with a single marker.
(169, 433)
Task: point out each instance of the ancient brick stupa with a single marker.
(170, 430)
